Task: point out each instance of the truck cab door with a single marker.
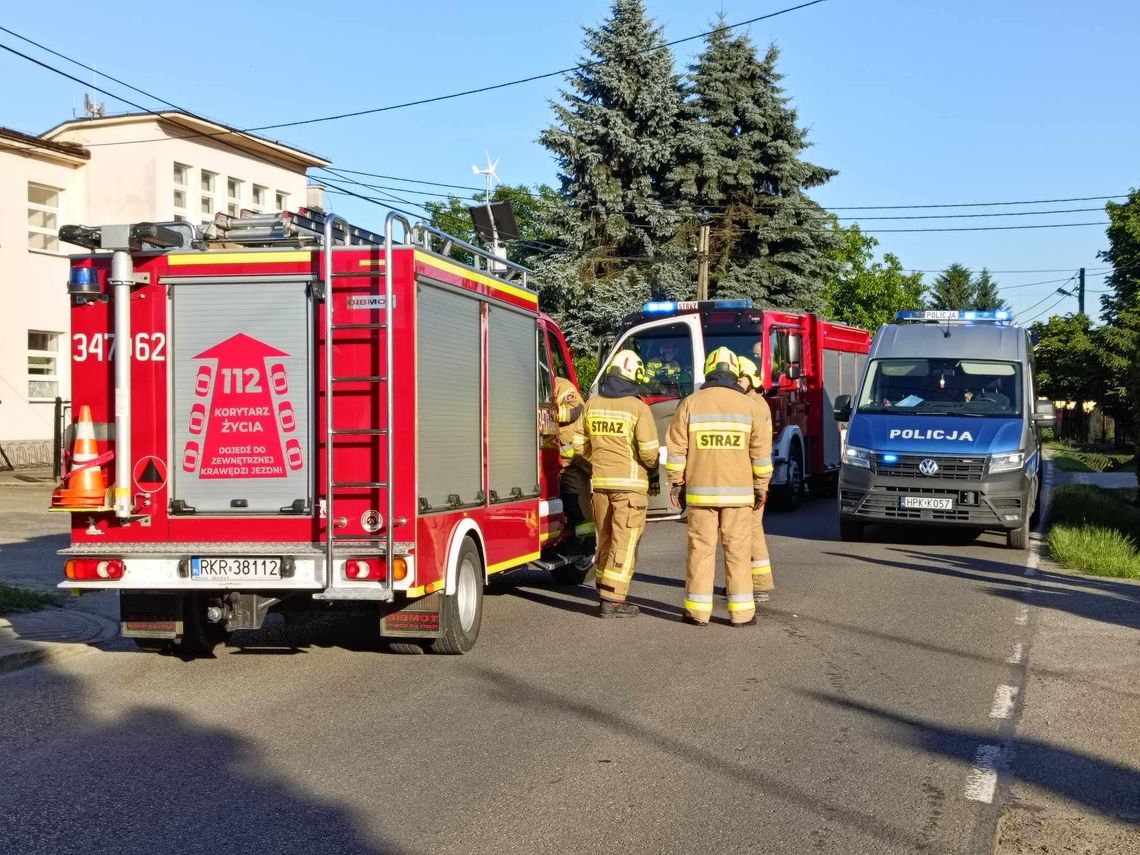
(674, 355)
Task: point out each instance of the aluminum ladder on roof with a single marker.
(387, 541)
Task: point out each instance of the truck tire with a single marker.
(462, 612)
(850, 531)
(1018, 538)
(153, 645)
(788, 494)
(199, 636)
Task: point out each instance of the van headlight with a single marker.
(1007, 462)
(855, 456)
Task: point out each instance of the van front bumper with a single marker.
(999, 501)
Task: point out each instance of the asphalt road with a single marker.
(848, 721)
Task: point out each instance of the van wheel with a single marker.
(850, 531)
(462, 612)
(788, 495)
(1018, 538)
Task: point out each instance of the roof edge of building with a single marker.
(71, 150)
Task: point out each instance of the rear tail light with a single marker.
(94, 568)
(372, 569)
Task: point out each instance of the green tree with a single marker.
(613, 139)
(1120, 337)
(740, 168)
(1067, 358)
(953, 288)
(865, 292)
(986, 295)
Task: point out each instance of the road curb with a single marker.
(41, 651)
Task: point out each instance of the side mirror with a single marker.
(795, 349)
(604, 344)
(1044, 415)
(792, 372)
(842, 408)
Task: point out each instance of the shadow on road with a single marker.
(1095, 599)
(148, 781)
(1101, 785)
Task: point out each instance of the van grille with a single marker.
(949, 468)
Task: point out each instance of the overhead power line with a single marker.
(433, 99)
(1047, 309)
(986, 228)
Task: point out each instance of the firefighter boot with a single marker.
(608, 609)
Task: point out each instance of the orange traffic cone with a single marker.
(83, 488)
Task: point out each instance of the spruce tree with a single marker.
(613, 140)
(740, 168)
(953, 288)
(986, 296)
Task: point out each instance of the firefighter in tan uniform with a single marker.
(574, 476)
(717, 453)
(619, 439)
(762, 581)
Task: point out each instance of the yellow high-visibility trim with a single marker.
(600, 483)
(549, 535)
(694, 606)
(513, 562)
(371, 262)
(199, 258)
(482, 279)
(585, 529)
(761, 470)
(421, 590)
(704, 427)
(742, 607)
(718, 501)
(674, 467)
(631, 550)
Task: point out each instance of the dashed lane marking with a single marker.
(1022, 616)
(983, 776)
(1015, 657)
(1004, 699)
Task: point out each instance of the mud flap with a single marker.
(417, 618)
(150, 615)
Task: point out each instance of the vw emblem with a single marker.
(928, 467)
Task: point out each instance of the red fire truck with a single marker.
(252, 466)
(806, 363)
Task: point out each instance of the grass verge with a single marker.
(22, 600)
(1079, 458)
(1095, 530)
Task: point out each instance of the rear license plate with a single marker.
(236, 569)
(926, 503)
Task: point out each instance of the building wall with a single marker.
(33, 293)
(129, 178)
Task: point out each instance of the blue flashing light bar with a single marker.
(1001, 316)
(668, 307)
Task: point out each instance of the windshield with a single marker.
(944, 387)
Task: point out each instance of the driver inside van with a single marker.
(664, 364)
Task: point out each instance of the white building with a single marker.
(114, 169)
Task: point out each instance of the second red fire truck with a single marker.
(286, 412)
(805, 362)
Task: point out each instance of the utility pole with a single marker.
(703, 263)
(1081, 293)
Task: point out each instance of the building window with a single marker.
(181, 177)
(43, 217)
(259, 196)
(233, 196)
(43, 361)
(282, 201)
(209, 180)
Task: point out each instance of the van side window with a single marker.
(545, 381)
(778, 346)
(560, 367)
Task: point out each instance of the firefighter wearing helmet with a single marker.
(619, 439)
(574, 476)
(719, 447)
(762, 581)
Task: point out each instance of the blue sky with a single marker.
(913, 102)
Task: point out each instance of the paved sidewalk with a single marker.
(29, 638)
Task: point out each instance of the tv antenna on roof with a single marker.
(488, 172)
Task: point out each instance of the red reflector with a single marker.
(94, 568)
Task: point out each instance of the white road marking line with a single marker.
(982, 782)
(1003, 702)
(1022, 616)
(1030, 571)
(1015, 657)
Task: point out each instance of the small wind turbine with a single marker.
(489, 173)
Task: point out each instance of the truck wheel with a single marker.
(1018, 538)
(462, 612)
(152, 645)
(788, 494)
(199, 636)
(850, 531)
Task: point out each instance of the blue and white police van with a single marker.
(945, 428)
